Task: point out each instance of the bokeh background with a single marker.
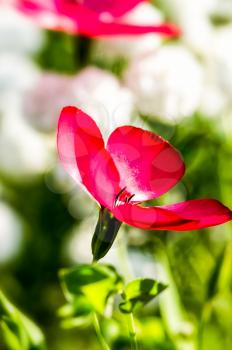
(180, 89)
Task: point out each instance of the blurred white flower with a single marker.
(11, 233)
(130, 47)
(179, 7)
(23, 151)
(223, 8)
(198, 33)
(223, 57)
(101, 95)
(17, 33)
(166, 83)
(193, 16)
(214, 100)
(96, 91)
(44, 101)
(17, 73)
(217, 95)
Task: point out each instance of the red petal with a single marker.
(114, 7)
(76, 18)
(150, 218)
(186, 216)
(208, 212)
(100, 28)
(46, 15)
(34, 7)
(148, 165)
(93, 21)
(83, 154)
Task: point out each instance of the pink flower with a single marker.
(134, 166)
(90, 17)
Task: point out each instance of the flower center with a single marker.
(123, 197)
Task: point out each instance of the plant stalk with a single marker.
(99, 333)
(132, 331)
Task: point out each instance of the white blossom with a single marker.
(23, 151)
(166, 83)
(217, 95)
(213, 100)
(17, 73)
(94, 90)
(193, 16)
(100, 94)
(223, 57)
(17, 33)
(45, 100)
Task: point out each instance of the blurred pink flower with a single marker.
(134, 166)
(90, 17)
(43, 101)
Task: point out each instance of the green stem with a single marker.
(123, 258)
(82, 50)
(132, 332)
(99, 333)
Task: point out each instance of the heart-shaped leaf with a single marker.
(139, 292)
(93, 282)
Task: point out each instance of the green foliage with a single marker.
(214, 278)
(116, 66)
(47, 223)
(198, 276)
(91, 289)
(139, 292)
(63, 52)
(18, 331)
(88, 288)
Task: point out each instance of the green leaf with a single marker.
(221, 275)
(18, 331)
(10, 339)
(139, 292)
(214, 277)
(77, 322)
(79, 307)
(95, 283)
(77, 313)
(151, 330)
(225, 276)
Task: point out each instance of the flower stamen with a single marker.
(123, 197)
